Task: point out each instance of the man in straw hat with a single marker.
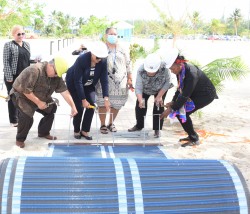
(32, 92)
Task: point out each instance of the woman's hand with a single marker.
(168, 104)
(85, 103)
(107, 104)
(166, 113)
(158, 101)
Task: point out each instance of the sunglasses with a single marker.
(19, 34)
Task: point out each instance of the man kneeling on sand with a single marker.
(32, 92)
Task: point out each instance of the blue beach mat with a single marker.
(104, 151)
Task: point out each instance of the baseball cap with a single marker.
(152, 63)
(99, 49)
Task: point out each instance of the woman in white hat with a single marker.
(195, 91)
(153, 78)
(81, 79)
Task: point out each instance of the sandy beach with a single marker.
(223, 126)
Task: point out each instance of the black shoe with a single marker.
(157, 134)
(184, 139)
(77, 135)
(87, 137)
(134, 129)
(191, 143)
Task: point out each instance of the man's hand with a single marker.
(42, 105)
(73, 112)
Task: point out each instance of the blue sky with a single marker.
(142, 9)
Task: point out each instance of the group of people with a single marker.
(101, 76)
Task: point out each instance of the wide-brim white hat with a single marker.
(98, 48)
(168, 55)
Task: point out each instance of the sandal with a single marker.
(104, 129)
(77, 135)
(112, 128)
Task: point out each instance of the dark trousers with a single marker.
(84, 123)
(13, 111)
(140, 113)
(188, 125)
(26, 122)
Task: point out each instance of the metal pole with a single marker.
(51, 42)
(58, 46)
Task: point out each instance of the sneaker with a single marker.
(134, 129)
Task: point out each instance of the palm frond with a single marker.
(225, 69)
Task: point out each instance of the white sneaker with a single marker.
(14, 124)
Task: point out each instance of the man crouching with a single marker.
(32, 92)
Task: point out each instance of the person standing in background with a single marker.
(16, 57)
(82, 49)
(120, 79)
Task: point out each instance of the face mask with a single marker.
(112, 39)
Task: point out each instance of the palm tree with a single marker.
(195, 19)
(236, 18)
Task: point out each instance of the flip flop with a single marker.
(104, 129)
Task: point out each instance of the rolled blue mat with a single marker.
(120, 185)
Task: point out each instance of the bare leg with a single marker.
(113, 114)
(102, 115)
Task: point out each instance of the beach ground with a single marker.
(223, 125)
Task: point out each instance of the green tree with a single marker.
(94, 26)
(236, 17)
(172, 25)
(22, 12)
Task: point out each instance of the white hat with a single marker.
(99, 49)
(152, 63)
(168, 55)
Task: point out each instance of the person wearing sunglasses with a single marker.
(32, 91)
(120, 79)
(16, 57)
(81, 79)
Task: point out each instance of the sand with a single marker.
(223, 127)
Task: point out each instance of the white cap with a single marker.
(168, 55)
(99, 49)
(152, 63)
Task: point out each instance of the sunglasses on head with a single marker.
(19, 34)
